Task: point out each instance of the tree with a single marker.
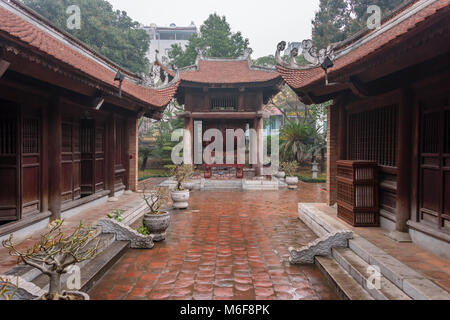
(55, 252)
(111, 33)
(215, 39)
(337, 20)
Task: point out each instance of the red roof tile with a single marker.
(224, 71)
(29, 35)
(298, 79)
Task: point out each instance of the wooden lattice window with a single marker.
(8, 131)
(431, 128)
(373, 136)
(99, 133)
(447, 132)
(86, 139)
(225, 103)
(30, 136)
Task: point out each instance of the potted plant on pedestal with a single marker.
(156, 221)
(55, 253)
(180, 195)
(291, 169)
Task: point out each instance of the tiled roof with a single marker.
(298, 79)
(15, 23)
(225, 71)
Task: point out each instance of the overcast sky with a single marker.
(263, 22)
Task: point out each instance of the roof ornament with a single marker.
(323, 57)
(247, 53)
(119, 77)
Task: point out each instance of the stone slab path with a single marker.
(227, 245)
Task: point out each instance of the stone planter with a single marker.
(292, 182)
(157, 224)
(75, 295)
(180, 199)
(188, 186)
(280, 175)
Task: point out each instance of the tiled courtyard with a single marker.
(228, 245)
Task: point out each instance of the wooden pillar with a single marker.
(333, 145)
(188, 140)
(111, 155)
(54, 157)
(44, 159)
(258, 142)
(133, 172)
(404, 155)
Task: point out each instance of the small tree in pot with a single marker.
(291, 169)
(180, 195)
(156, 221)
(55, 253)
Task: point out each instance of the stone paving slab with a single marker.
(227, 245)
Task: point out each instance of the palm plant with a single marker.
(297, 141)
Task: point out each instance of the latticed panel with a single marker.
(345, 172)
(365, 196)
(8, 131)
(373, 136)
(30, 136)
(346, 193)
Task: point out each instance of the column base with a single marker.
(113, 199)
(398, 236)
(127, 192)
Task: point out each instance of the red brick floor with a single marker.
(228, 245)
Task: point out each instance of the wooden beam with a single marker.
(54, 157)
(111, 155)
(224, 115)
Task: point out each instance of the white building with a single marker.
(162, 38)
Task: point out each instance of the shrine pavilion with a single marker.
(223, 94)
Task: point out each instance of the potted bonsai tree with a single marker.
(155, 220)
(290, 168)
(180, 195)
(55, 252)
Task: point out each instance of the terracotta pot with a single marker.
(292, 182)
(157, 225)
(180, 199)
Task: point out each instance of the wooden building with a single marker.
(68, 136)
(223, 94)
(391, 90)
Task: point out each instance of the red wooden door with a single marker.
(434, 188)
(99, 156)
(9, 162)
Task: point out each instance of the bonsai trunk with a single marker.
(55, 284)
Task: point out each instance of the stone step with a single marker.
(360, 271)
(412, 283)
(346, 287)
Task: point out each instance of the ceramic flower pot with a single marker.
(180, 199)
(292, 182)
(157, 225)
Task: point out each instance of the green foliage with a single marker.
(297, 141)
(289, 167)
(143, 230)
(215, 38)
(311, 180)
(116, 214)
(337, 20)
(111, 33)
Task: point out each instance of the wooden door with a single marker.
(434, 187)
(99, 156)
(9, 162)
(31, 161)
(70, 157)
(87, 146)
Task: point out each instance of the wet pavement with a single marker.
(227, 245)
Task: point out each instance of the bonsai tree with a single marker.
(182, 173)
(155, 200)
(55, 252)
(290, 168)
